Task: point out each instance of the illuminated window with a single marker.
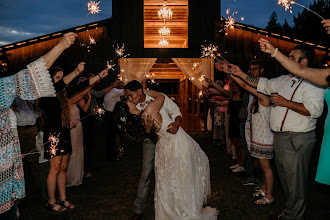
(166, 24)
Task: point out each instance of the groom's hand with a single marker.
(173, 127)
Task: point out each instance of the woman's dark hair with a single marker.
(255, 105)
(62, 98)
(134, 85)
(131, 124)
(53, 70)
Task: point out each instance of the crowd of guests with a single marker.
(256, 119)
(277, 119)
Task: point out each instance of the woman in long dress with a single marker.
(181, 167)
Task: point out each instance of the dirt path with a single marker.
(110, 193)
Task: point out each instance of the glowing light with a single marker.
(192, 78)
(54, 140)
(201, 79)
(120, 51)
(93, 7)
(286, 4)
(211, 51)
(99, 111)
(200, 94)
(91, 40)
(230, 21)
(110, 65)
(163, 43)
(164, 31)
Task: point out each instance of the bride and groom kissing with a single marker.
(182, 175)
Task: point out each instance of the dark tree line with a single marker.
(307, 25)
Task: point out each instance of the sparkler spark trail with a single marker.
(97, 111)
(54, 140)
(211, 51)
(93, 7)
(230, 21)
(287, 6)
(110, 66)
(119, 53)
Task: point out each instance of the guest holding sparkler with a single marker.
(262, 136)
(296, 105)
(28, 84)
(57, 126)
(320, 77)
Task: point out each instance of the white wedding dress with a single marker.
(182, 177)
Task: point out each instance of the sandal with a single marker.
(259, 193)
(50, 208)
(68, 206)
(263, 201)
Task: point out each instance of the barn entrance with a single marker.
(179, 78)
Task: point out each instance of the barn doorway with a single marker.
(179, 78)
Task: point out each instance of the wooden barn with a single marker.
(164, 41)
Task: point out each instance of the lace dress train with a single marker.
(182, 177)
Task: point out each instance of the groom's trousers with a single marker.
(145, 180)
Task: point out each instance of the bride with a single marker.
(181, 167)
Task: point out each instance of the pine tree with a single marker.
(273, 25)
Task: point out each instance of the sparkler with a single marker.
(91, 41)
(211, 51)
(96, 111)
(110, 66)
(93, 7)
(287, 6)
(54, 140)
(230, 21)
(119, 54)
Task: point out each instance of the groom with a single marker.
(134, 93)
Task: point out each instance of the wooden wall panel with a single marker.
(242, 46)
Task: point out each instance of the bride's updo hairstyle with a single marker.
(131, 124)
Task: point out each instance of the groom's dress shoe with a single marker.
(137, 216)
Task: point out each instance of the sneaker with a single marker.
(249, 182)
(238, 169)
(234, 167)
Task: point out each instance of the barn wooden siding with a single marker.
(22, 53)
(241, 45)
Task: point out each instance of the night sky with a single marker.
(22, 19)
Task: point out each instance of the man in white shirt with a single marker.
(134, 93)
(296, 105)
